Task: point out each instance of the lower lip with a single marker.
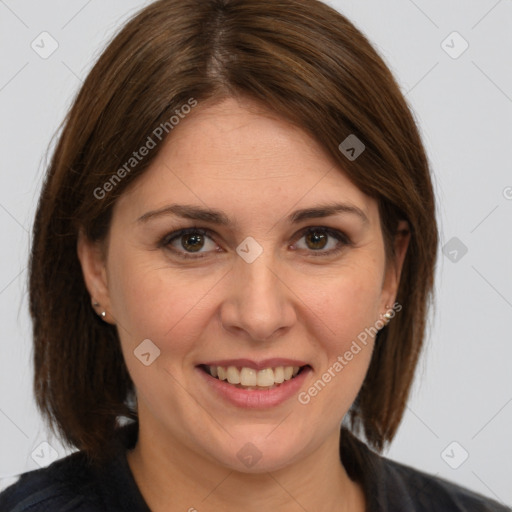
(253, 398)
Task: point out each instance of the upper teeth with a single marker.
(251, 377)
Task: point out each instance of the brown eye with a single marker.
(316, 240)
(321, 241)
(192, 242)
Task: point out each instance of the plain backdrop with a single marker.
(458, 421)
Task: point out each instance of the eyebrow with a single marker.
(218, 217)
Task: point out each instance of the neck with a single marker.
(172, 477)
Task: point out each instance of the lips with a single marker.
(271, 394)
(256, 365)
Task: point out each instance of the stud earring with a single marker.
(95, 304)
(387, 315)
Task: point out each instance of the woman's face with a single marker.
(244, 247)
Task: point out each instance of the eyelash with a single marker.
(341, 237)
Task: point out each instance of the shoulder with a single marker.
(390, 486)
(76, 484)
(64, 485)
(424, 492)
(67, 484)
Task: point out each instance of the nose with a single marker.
(259, 304)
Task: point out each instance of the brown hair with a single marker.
(309, 65)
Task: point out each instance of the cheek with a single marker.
(346, 302)
(152, 302)
(347, 308)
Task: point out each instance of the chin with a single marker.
(260, 453)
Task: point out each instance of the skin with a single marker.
(293, 301)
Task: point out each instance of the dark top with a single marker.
(72, 484)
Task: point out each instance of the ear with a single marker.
(394, 267)
(92, 258)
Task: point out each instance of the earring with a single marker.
(95, 304)
(387, 315)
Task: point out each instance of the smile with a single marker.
(251, 379)
(252, 388)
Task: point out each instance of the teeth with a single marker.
(279, 375)
(221, 373)
(233, 375)
(266, 377)
(249, 377)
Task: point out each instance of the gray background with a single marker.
(463, 390)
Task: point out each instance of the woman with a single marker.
(233, 254)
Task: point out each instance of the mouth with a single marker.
(251, 379)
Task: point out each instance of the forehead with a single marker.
(240, 157)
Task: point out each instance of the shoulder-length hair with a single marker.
(308, 64)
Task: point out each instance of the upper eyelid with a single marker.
(184, 231)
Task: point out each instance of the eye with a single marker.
(321, 240)
(198, 242)
(190, 242)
